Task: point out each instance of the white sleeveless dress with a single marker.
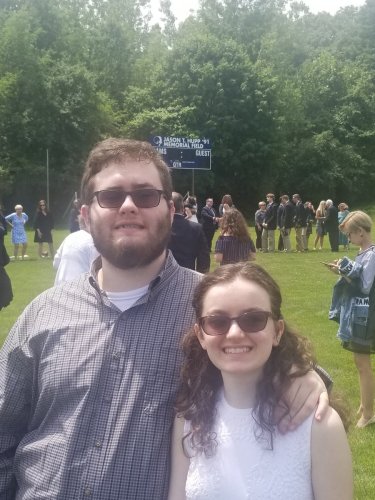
(245, 468)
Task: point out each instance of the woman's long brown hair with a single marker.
(201, 380)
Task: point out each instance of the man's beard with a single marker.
(131, 255)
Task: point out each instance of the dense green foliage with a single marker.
(287, 97)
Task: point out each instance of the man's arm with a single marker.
(179, 463)
(15, 380)
(304, 395)
(72, 261)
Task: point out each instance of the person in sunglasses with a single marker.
(226, 444)
(89, 373)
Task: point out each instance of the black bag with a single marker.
(4, 257)
(6, 292)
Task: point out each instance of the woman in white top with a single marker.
(225, 442)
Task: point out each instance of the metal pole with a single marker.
(192, 185)
(47, 179)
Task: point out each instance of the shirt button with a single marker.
(87, 491)
(147, 409)
(116, 355)
(98, 444)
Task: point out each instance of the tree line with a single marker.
(286, 97)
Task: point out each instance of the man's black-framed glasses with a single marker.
(142, 198)
(249, 322)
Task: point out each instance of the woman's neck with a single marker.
(366, 242)
(240, 391)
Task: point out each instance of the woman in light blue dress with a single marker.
(17, 221)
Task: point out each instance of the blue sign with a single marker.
(182, 152)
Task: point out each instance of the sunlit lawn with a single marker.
(306, 287)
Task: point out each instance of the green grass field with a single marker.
(306, 288)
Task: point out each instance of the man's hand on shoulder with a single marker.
(304, 395)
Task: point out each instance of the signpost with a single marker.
(183, 153)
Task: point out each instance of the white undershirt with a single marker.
(125, 300)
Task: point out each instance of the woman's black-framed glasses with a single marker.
(249, 322)
(142, 198)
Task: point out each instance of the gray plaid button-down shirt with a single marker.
(87, 391)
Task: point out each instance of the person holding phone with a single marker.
(353, 307)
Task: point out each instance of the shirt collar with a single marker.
(166, 272)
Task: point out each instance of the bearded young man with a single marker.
(89, 373)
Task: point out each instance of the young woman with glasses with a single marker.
(239, 357)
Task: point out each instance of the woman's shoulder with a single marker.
(229, 238)
(366, 255)
(330, 426)
(331, 458)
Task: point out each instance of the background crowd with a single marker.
(274, 222)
